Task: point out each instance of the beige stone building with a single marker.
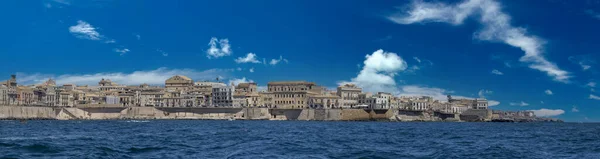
(348, 94)
(265, 99)
(292, 94)
(323, 101)
(25, 96)
(179, 82)
(10, 88)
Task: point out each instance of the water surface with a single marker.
(295, 139)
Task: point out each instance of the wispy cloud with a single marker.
(522, 103)
(592, 13)
(251, 69)
(153, 77)
(574, 109)
(122, 51)
(249, 58)
(594, 97)
(584, 61)
(84, 30)
(496, 72)
(483, 92)
(591, 84)
(417, 59)
(218, 48)
(386, 38)
(276, 61)
(496, 27)
(548, 112)
(163, 53)
(110, 41)
(548, 92)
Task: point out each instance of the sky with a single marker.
(518, 57)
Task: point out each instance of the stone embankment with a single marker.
(106, 113)
(142, 113)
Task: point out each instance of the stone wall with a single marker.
(14, 112)
(103, 113)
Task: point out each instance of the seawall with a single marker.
(142, 113)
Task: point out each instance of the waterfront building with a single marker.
(3, 95)
(479, 103)
(65, 98)
(239, 100)
(365, 100)
(108, 85)
(292, 94)
(25, 96)
(265, 99)
(348, 94)
(11, 95)
(179, 82)
(323, 101)
(222, 96)
(382, 100)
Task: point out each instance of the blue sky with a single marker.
(521, 57)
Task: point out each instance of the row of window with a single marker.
(286, 89)
(289, 95)
(289, 102)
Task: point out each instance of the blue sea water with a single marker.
(295, 139)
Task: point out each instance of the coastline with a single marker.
(207, 113)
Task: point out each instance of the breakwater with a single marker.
(142, 113)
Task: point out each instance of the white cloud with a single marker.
(548, 92)
(152, 77)
(594, 97)
(239, 69)
(250, 58)
(122, 51)
(276, 61)
(547, 112)
(519, 104)
(138, 36)
(377, 74)
(218, 48)
(483, 92)
(591, 84)
(237, 81)
(497, 72)
(84, 30)
(493, 103)
(436, 93)
(574, 109)
(542, 102)
(417, 59)
(251, 69)
(496, 27)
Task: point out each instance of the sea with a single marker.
(295, 139)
